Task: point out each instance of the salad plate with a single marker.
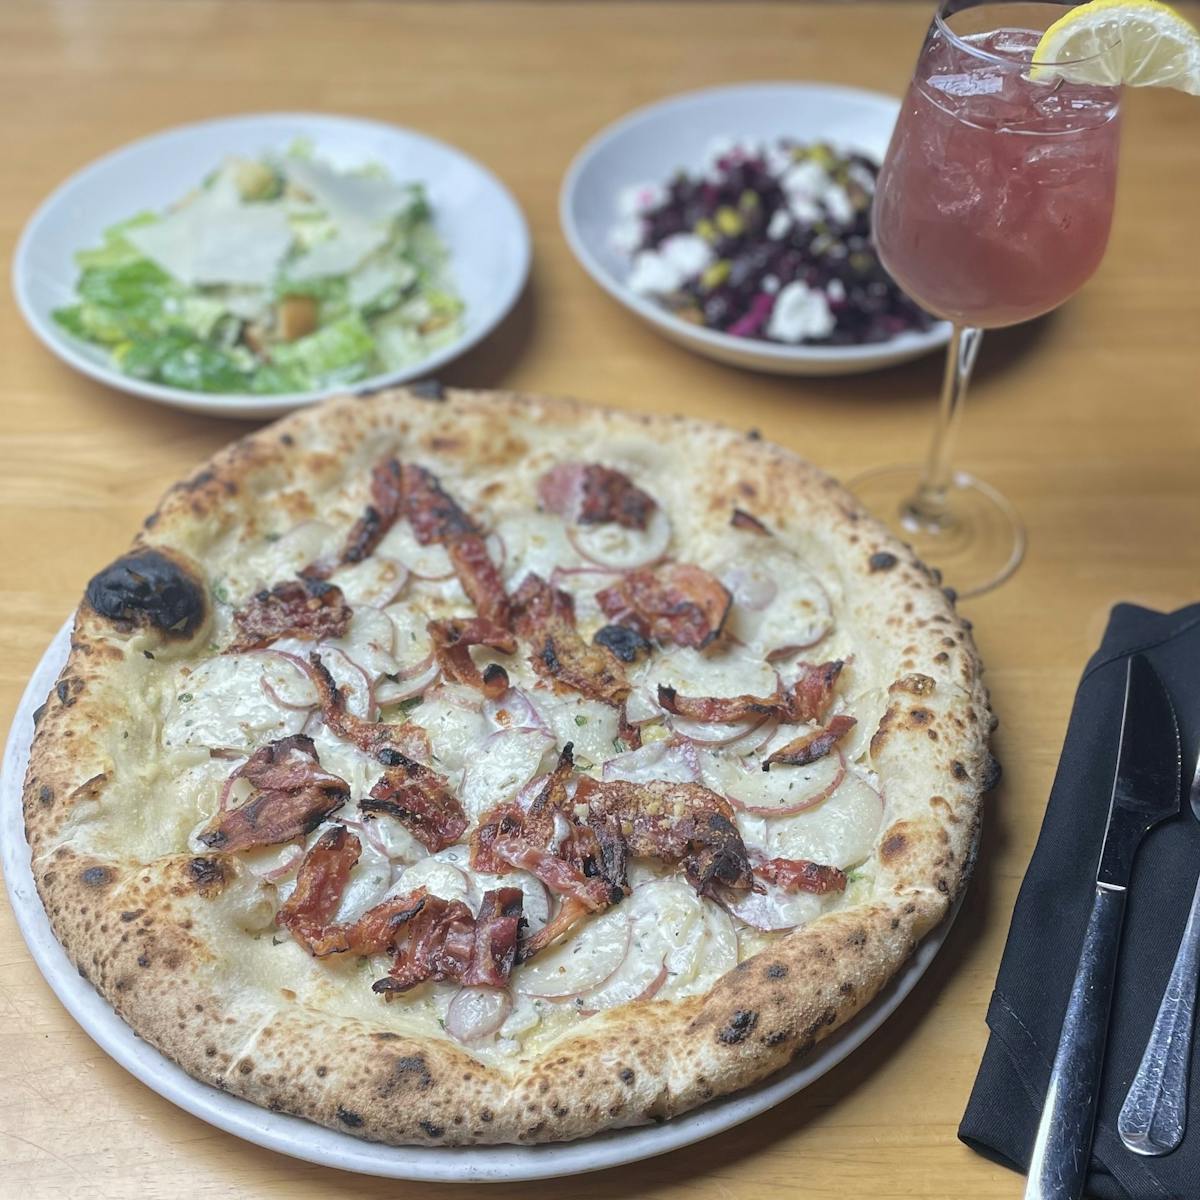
(679, 134)
(452, 202)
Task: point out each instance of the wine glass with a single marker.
(993, 206)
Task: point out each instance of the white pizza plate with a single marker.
(653, 142)
(484, 231)
(300, 1139)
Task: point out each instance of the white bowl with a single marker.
(478, 219)
(651, 143)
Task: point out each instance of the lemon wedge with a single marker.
(1141, 43)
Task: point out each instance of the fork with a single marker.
(1154, 1115)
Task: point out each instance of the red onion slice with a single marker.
(586, 961)
(798, 806)
(305, 696)
(393, 691)
(711, 733)
(771, 910)
(275, 698)
(749, 588)
(460, 697)
(352, 679)
(753, 740)
(620, 549)
(374, 582)
(514, 710)
(285, 868)
(370, 833)
(477, 1012)
(672, 761)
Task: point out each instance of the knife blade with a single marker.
(1145, 791)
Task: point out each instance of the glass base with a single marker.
(977, 542)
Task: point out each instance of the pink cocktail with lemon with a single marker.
(995, 201)
(994, 205)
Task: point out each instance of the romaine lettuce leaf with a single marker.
(339, 353)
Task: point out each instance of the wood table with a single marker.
(1088, 420)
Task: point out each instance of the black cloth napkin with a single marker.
(1039, 960)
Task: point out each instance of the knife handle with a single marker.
(1063, 1147)
(1154, 1115)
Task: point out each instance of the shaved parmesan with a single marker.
(350, 198)
(339, 254)
(215, 238)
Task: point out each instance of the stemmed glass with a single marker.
(993, 206)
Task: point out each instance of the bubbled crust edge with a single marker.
(640, 1063)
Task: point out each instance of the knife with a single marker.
(1145, 792)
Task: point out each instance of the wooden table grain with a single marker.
(1089, 420)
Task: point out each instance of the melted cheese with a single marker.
(221, 703)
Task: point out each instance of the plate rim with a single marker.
(299, 1138)
(907, 345)
(235, 404)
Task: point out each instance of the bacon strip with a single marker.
(452, 640)
(812, 693)
(407, 490)
(804, 702)
(479, 578)
(432, 938)
(497, 925)
(292, 797)
(681, 823)
(380, 929)
(301, 608)
(674, 602)
(590, 494)
(552, 844)
(420, 799)
(801, 875)
(436, 517)
(810, 747)
(377, 738)
(433, 513)
(320, 883)
(545, 616)
(379, 516)
(439, 944)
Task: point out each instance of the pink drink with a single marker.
(995, 199)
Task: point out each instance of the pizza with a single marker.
(450, 767)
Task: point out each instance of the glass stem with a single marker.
(928, 510)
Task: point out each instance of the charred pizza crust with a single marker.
(144, 933)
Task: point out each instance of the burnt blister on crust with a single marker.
(207, 874)
(740, 1026)
(146, 587)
